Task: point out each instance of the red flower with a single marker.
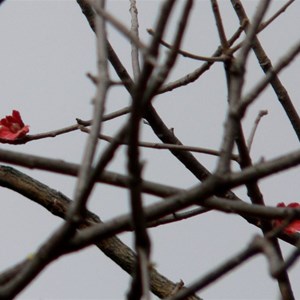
(293, 227)
(12, 127)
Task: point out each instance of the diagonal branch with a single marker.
(266, 65)
(58, 204)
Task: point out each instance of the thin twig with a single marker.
(220, 26)
(260, 115)
(218, 272)
(125, 31)
(191, 55)
(163, 146)
(253, 210)
(265, 24)
(135, 31)
(193, 76)
(84, 183)
(289, 261)
(64, 130)
(158, 80)
(217, 56)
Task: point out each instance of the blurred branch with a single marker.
(135, 31)
(85, 180)
(219, 24)
(67, 168)
(112, 56)
(134, 39)
(266, 65)
(270, 76)
(191, 55)
(253, 210)
(289, 262)
(223, 40)
(237, 73)
(265, 24)
(163, 71)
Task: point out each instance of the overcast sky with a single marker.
(47, 47)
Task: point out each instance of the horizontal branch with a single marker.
(66, 168)
(166, 146)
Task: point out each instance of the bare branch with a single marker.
(219, 23)
(58, 204)
(190, 197)
(84, 184)
(261, 114)
(266, 65)
(270, 76)
(218, 272)
(163, 146)
(235, 89)
(265, 24)
(135, 31)
(191, 55)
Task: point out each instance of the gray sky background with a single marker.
(46, 49)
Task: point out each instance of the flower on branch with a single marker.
(12, 127)
(293, 227)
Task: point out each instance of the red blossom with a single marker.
(293, 227)
(12, 127)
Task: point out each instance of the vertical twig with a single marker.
(85, 181)
(223, 39)
(140, 285)
(135, 31)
